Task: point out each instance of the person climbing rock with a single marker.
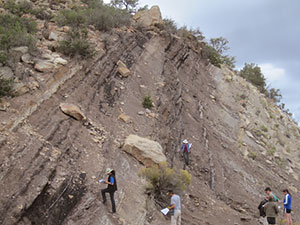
(175, 208)
(271, 210)
(287, 204)
(186, 149)
(269, 192)
(111, 188)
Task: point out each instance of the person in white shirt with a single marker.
(175, 208)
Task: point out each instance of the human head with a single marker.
(286, 191)
(108, 171)
(268, 190)
(271, 198)
(170, 193)
(185, 141)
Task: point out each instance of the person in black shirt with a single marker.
(111, 188)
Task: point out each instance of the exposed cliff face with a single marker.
(50, 162)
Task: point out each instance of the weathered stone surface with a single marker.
(125, 118)
(26, 58)
(250, 135)
(60, 61)
(20, 88)
(122, 69)
(6, 73)
(44, 66)
(53, 36)
(72, 110)
(22, 49)
(144, 150)
(148, 18)
(4, 105)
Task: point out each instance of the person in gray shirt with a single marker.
(175, 208)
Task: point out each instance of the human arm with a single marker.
(276, 209)
(111, 181)
(172, 206)
(285, 200)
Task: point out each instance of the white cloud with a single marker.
(272, 73)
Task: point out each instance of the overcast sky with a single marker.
(265, 32)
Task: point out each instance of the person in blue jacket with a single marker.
(186, 149)
(111, 188)
(287, 204)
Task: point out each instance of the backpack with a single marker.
(261, 207)
(185, 148)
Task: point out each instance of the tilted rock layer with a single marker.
(50, 163)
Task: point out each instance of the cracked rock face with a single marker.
(50, 163)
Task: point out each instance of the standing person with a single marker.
(176, 206)
(186, 149)
(269, 192)
(111, 188)
(271, 210)
(287, 204)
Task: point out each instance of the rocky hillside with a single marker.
(50, 161)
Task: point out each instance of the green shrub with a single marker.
(103, 17)
(213, 56)
(76, 43)
(272, 150)
(3, 57)
(6, 87)
(18, 8)
(252, 155)
(170, 26)
(258, 133)
(106, 17)
(264, 128)
(16, 31)
(147, 102)
(69, 17)
(253, 74)
(161, 178)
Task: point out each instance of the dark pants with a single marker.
(271, 220)
(186, 158)
(111, 194)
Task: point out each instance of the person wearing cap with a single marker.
(111, 188)
(186, 149)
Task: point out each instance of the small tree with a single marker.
(215, 50)
(274, 94)
(161, 178)
(220, 44)
(129, 5)
(253, 74)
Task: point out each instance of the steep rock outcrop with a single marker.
(147, 18)
(50, 163)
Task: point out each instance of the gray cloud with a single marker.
(259, 31)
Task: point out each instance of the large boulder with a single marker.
(72, 110)
(44, 66)
(146, 151)
(122, 69)
(151, 17)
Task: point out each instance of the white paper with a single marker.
(101, 181)
(165, 211)
(190, 145)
